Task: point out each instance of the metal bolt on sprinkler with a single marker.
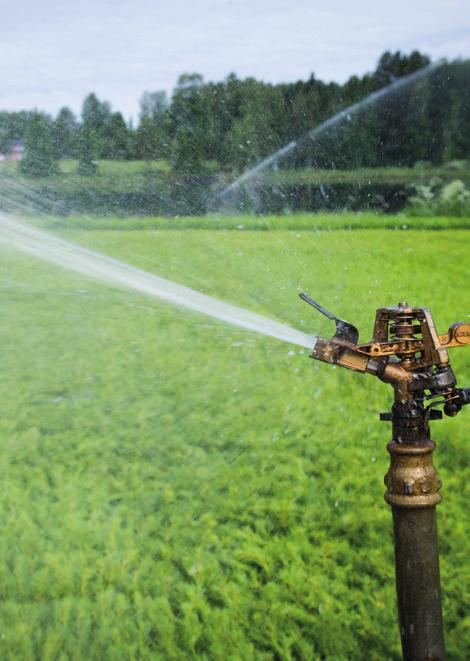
(407, 353)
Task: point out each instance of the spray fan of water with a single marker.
(48, 247)
(71, 256)
(330, 123)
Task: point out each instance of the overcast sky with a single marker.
(54, 52)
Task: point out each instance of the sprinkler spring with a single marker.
(407, 352)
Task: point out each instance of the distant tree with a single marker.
(261, 127)
(96, 117)
(438, 110)
(64, 134)
(189, 118)
(403, 129)
(153, 105)
(93, 139)
(38, 159)
(153, 133)
(234, 123)
(148, 141)
(457, 120)
(87, 151)
(392, 66)
(95, 112)
(118, 144)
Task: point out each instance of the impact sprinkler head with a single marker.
(407, 352)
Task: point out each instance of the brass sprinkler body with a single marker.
(407, 352)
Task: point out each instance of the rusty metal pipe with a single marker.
(413, 491)
(418, 584)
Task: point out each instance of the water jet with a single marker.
(71, 256)
(255, 173)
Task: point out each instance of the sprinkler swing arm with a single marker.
(407, 352)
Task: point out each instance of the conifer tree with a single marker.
(64, 134)
(87, 151)
(118, 138)
(38, 159)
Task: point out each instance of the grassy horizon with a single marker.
(315, 222)
(404, 175)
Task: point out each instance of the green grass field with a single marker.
(173, 488)
(310, 222)
(111, 168)
(312, 176)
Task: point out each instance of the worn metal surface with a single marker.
(412, 480)
(418, 584)
(406, 332)
(458, 335)
(413, 491)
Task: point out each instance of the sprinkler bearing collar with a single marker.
(412, 480)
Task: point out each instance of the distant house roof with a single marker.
(13, 152)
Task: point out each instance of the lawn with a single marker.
(111, 168)
(174, 488)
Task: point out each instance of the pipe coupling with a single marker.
(412, 480)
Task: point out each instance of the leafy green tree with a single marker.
(38, 159)
(395, 134)
(189, 119)
(260, 128)
(438, 110)
(64, 134)
(153, 105)
(153, 135)
(392, 66)
(96, 118)
(457, 122)
(87, 151)
(233, 124)
(118, 143)
(148, 141)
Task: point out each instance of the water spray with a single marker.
(328, 124)
(71, 256)
(407, 352)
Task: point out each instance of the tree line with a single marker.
(227, 126)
